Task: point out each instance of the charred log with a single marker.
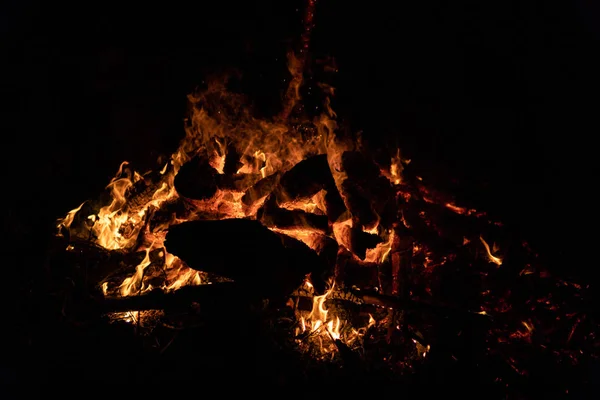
(305, 180)
(369, 195)
(401, 258)
(360, 240)
(168, 213)
(196, 179)
(350, 271)
(236, 182)
(327, 250)
(358, 203)
(245, 251)
(272, 215)
(260, 190)
(232, 160)
(93, 264)
(142, 191)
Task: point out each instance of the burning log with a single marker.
(305, 180)
(142, 191)
(350, 271)
(245, 251)
(368, 195)
(196, 179)
(260, 190)
(401, 257)
(358, 240)
(273, 216)
(327, 250)
(236, 182)
(232, 160)
(97, 264)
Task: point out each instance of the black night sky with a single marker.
(501, 94)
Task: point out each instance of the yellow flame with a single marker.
(68, 219)
(134, 284)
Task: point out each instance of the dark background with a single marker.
(501, 94)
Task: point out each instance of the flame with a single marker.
(133, 284)
(382, 250)
(495, 259)
(317, 320)
(68, 219)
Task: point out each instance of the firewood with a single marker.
(401, 258)
(222, 294)
(327, 249)
(351, 271)
(273, 216)
(306, 179)
(168, 213)
(260, 190)
(368, 195)
(232, 160)
(96, 264)
(142, 191)
(358, 203)
(360, 241)
(245, 251)
(236, 182)
(196, 179)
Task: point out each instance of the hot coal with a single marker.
(245, 251)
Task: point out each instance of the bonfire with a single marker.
(349, 245)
